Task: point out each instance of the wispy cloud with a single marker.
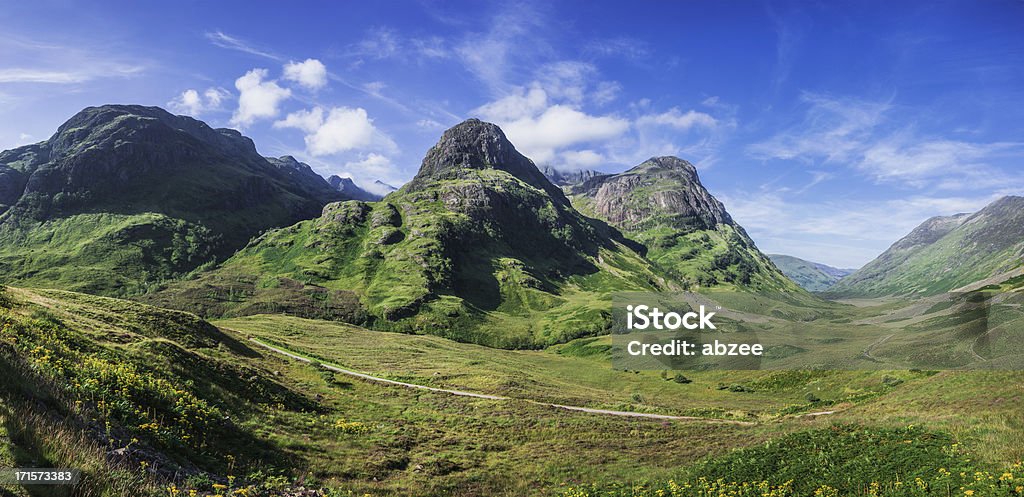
(223, 40)
(511, 37)
(37, 62)
(842, 233)
(860, 135)
(620, 46)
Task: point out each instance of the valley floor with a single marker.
(317, 424)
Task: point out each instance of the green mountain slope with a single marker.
(811, 276)
(945, 253)
(662, 204)
(479, 247)
(129, 195)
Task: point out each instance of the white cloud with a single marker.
(841, 233)
(566, 80)
(223, 40)
(518, 105)
(857, 134)
(374, 87)
(627, 48)
(510, 38)
(191, 103)
(306, 120)
(371, 166)
(23, 75)
(832, 130)
(606, 92)
(429, 124)
(433, 47)
(380, 43)
(310, 73)
(582, 159)
(560, 126)
(678, 119)
(546, 121)
(341, 129)
(257, 99)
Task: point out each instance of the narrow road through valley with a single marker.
(461, 393)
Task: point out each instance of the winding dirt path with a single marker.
(462, 393)
(867, 351)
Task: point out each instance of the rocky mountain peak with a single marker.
(659, 188)
(667, 163)
(475, 144)
(96, 125)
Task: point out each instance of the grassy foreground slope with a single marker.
(883, 427)
(271, 424)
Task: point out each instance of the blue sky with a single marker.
(829, 129)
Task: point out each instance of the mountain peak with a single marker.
(475, 144)
(666, 163)
(351, 190)
(94, 124)
(658, 186)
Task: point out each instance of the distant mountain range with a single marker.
(568, 177)
(812, 276)
(945, 253)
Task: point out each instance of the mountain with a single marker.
(349, 188)
(567, 177)
(945, 253)
(662, 204)
(128, 195)
(479, 247)
(382, 188)
(811, 276)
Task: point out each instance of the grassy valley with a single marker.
(124, 375)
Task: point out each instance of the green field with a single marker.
(144, 378)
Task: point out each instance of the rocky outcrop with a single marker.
(477, 145)
(660, 187)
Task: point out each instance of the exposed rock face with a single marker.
(565, 177)
(349, 189)
(662, 204)
(659, 186)
(474, 145)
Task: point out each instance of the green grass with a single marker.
(838, 460)
(321, 428)
(111, 253)
(485, 258)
